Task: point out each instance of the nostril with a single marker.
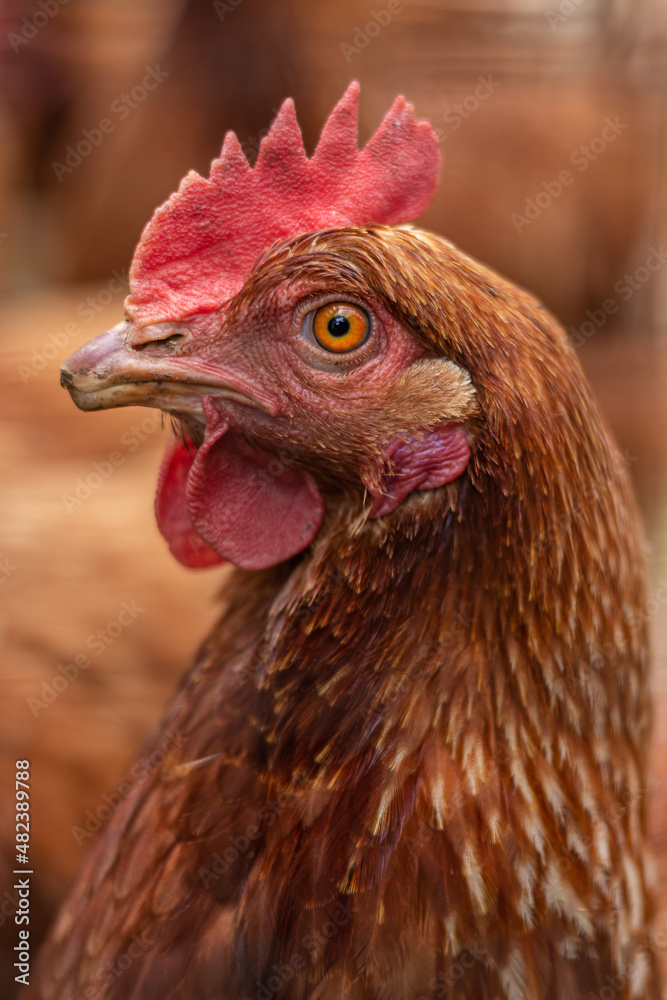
(157, 338)
(165, 343)
(66, 378)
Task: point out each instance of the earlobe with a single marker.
(420, 463)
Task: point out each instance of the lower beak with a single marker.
(108, 372)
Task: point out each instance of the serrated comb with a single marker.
(200, 245)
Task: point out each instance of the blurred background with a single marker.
(551, 116)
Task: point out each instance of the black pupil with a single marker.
(338, 326)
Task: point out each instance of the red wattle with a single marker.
(171, 511)
(254, 511)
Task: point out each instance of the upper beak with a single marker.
(111, 371)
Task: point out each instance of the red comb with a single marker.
(199, 247)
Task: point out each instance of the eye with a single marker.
(340, 327)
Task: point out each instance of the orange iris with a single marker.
(340, 327)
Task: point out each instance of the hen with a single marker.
(410, 760)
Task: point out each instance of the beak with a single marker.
(118, 369)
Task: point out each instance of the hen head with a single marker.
(327, 368)
(263, 315)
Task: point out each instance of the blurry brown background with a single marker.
(104, 105)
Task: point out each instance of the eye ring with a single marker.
(340, 327)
